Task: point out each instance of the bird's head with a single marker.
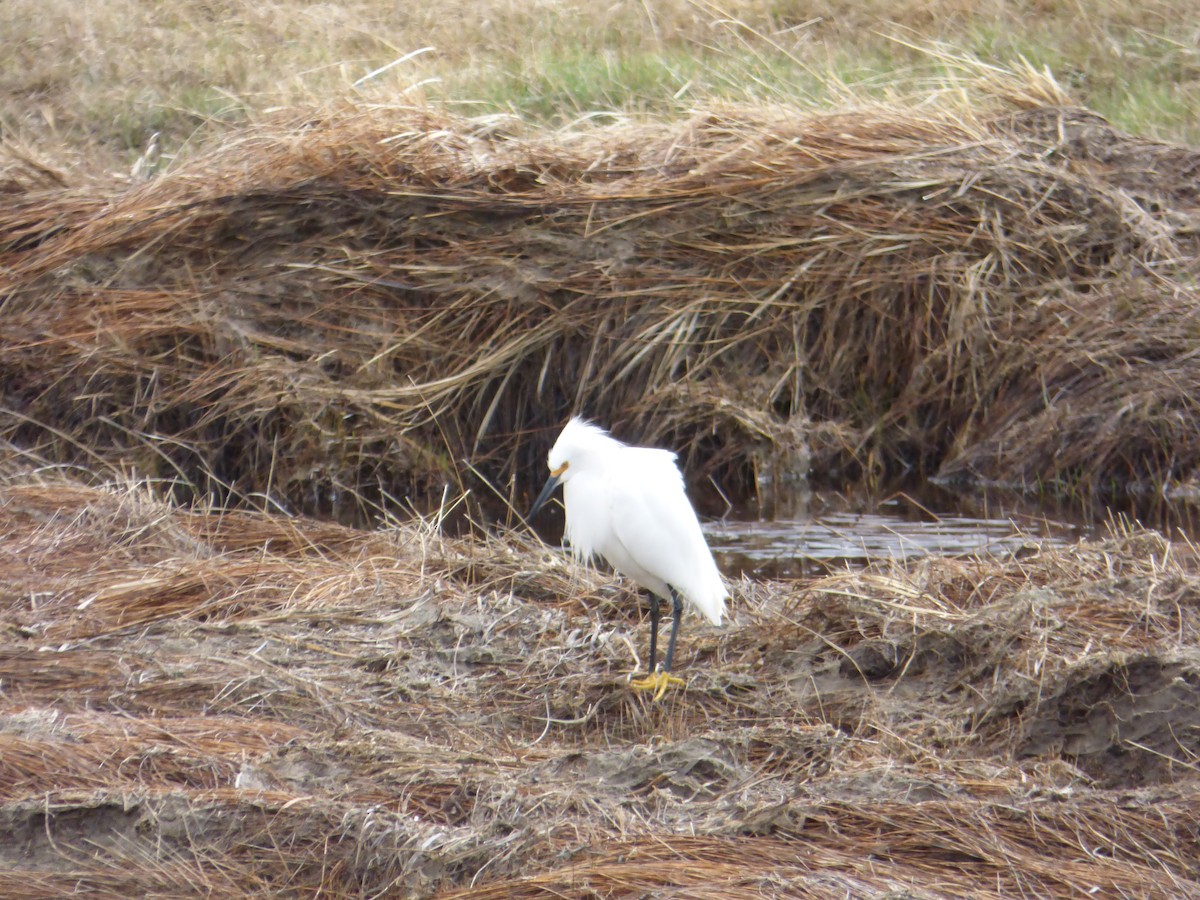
(580, 446)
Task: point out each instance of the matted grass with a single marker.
(337, 313)
(212, 703)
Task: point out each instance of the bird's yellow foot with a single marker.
(658, 682)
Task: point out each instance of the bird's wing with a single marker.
(658, 534)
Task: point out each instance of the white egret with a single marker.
(627, 504)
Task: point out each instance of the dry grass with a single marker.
(213, 703)
(337, 313)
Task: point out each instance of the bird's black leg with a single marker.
(677, 606)
(660, 678)
(653, 630)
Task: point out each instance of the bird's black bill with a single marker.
(551, 484)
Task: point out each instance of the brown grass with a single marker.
(339, 313)
(206, 703)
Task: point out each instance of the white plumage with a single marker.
(628, 505)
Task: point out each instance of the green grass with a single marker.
(563, 85)
(107, 74)
(571, 82)
(190, 111)
(1147, 84)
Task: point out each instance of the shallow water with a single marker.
(824, 531)
(809, 533)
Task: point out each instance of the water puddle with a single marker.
(822, 532)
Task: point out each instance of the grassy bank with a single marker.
(89, 84)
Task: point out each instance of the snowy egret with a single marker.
(627, 504)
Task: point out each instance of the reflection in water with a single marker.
(822, 532)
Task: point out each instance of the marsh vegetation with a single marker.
(276, 314)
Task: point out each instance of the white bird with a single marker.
(627, 504)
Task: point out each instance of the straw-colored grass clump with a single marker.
(242, 703)
(336, 312)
